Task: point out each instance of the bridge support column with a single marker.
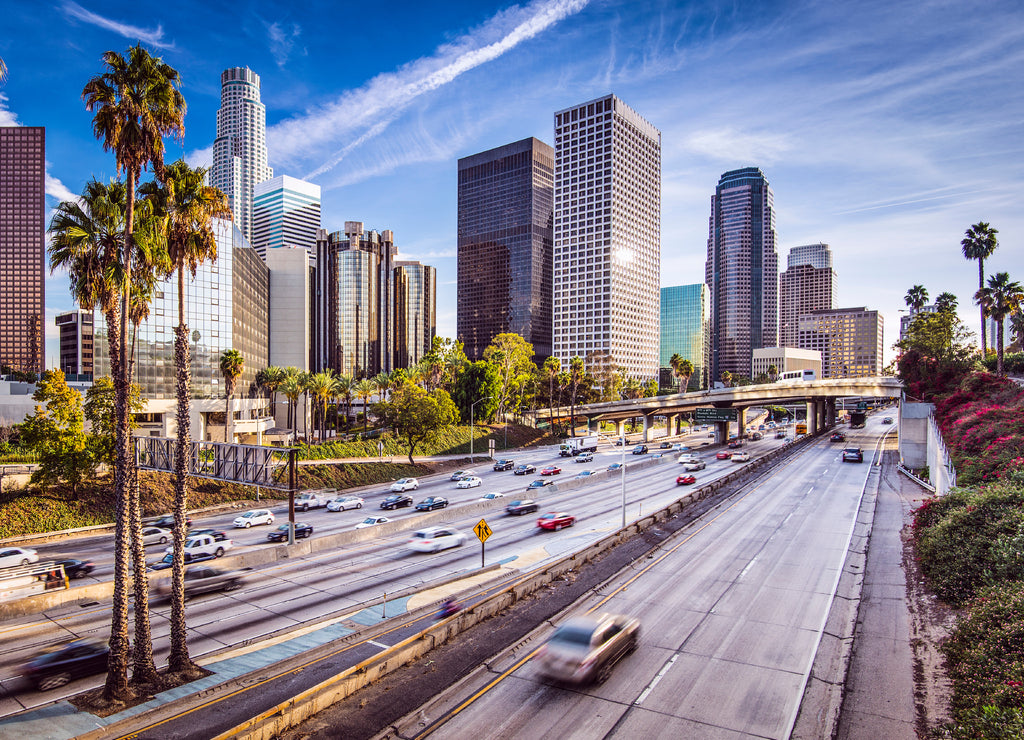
(830, 413)
(811, 416)
(620, 428)
(741, 422)
(673, 421)
(647, 428)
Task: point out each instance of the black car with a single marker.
(621, 441)
(396, 501)
(837, 437)
(853, 454)
(539, 483)
(640, 450)
(504, 464)
(76, 568)
(524, 469)
(215, 533)
(167, 560)
(60, 664)
(281, 533)
(665, 446)
(167, 522)
(519, 508)
(432, 502)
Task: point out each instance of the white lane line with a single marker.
(378, 644)
(654, 682)
(749, 566)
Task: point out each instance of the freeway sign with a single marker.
(710, 414)
(482, 531)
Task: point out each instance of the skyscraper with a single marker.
(686, 331)
(850, 341)
(240, 149)
(742, 270)
(504, 247)
(22, 247)
(415, 311)
(808, 284)
(76, 343)
(607, 236)
(286, 213)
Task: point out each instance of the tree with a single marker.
(363, 390)
(575, 376)
(231, 366)
(1001, 298)
(946, 302)
(773, 373)
(291, 387)
(682, 369)
(343, 392)
(1017, 329)
(321, 386)
(3, 71)
(934, 356)
(478, 383)
(56, 431)
(916, 298)
(726, 378)
(99, 412)
(416, 415)
(552, 367)
(979, 243)
(513, 357)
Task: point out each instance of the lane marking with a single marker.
(654, 682)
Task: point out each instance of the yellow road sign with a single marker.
(482, 531)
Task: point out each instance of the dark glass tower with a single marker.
(505, 246)
(22, 247)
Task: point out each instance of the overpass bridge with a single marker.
(820, 397)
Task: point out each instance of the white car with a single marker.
(741, 457)
(372, 521)
(254, 517)
(433, 539)
(460, 474)
(343, 503)
(694, 465)
(585, 457)
(470, 481)
(491, 496)
(405, 484)
(11, 557)
(155, 536)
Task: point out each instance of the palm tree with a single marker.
(136, 104)
(946, 303)
(575, 376)
(1017, 328)
(304, 382)
(686, 372)
(270, 379)
(1001, 298)
(343, 391)
(916, 298)
(552, 367)
(321, 386)
(231, 365)
(291, 387)
(3, 71)
(773, 373)
(363, 390)
(979, 243)
(727, 378)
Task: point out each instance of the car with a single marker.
(539, 483)
(166, 521)
(680, 447)
(723, 455)
(396, 501)
(60, 664)
(685, 480)
(740, 457)
(343, 503)
(203, 546)
(665, 446)
(504, 464)
(11, 557)
(372, 521)
(460, 474)
(215, 533)
(584, 457)
(551, 470)
(837, 437)
(735, 444)
(690, 465)
(280, 534)
(711, 434)
(524, 469)
(556, 520)
(491, 496)
(640, 450)
(433, 502)
(521, 506)
(622, 442)
(887, 420)
(615, 466)
(434, 539)
(155, 536)
(584, 473)
(853, 454)
(405, 484)
(74, 568)
(470, 481)
(585, 649)
(780, 435)
(204, 579)
(253, 517)
(756, 436)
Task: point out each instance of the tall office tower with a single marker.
(686, 331)
(607, 236)
(22, 247)
(286, 213)
(76, 344)
(505, 248)
(849, 339)
(291, 307)
(808, 284)
(240, 149)
(742, 270)
(415, 311)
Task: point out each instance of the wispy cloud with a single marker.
(150, 37)
(729, 145)
(282, 38)
(57, 189)
(7, 117)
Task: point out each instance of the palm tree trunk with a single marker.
(999, 346)
(981, 286)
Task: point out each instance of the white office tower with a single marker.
(286, 213)
(240, 149)
(607, 237)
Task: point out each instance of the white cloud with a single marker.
(729, 145)
(134, 33)
(282, 40)
(7, 117)
(57, 189)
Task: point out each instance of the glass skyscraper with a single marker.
(686, 331)
(808, 284)
(286, 213)
(415, 311)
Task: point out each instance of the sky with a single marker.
(885, 129)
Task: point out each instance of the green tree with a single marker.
(934, 356)
(99, 412)
(56, 432)
(1017, 328)
(600, 365)
(726, 378)
(291, 387)
(231, 366)
(978, 244)
(478, 383)
(271, 379)
(682, 370)
(773, 373)
(916, 298)
(512, 356)
(999, 299)
(946, 302)
(552, 367)
(416, 415)
(321, 387)
(363, 390)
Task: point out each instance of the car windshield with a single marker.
(573, 635)
(369, 520)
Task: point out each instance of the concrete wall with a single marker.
(914, 434)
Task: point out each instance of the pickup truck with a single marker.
(203, 545)
(313, 499)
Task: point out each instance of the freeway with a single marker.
(298, 591)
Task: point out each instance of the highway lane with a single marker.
(732, 615)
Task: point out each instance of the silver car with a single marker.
(343, 503)
(585, 649)
(155, 536)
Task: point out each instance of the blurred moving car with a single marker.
(584, 457)
(757, 436)
(405, 484)
(524, 469)
(837, 437)
(551, 470)
(622, 441)
(780, 435)
(433, 502)
(539, 483)
(521, 506)
(215, 533)
(584, 473)
(491, 496)
(11, 557)
(665, 446)
(396, 501)
(585, 649)
(202, 546)
(694, 465)
(155, 536)
(735, 444)
(504, 464)
(723, 455)
(741, 457)
(460, 474)
(469, 481)
(343, 503)
(60, 664)
(685, 480)
(280, 534)
(372, 521)
(204, 579)
(853, 454)
(615, 466)
(556, 520)
(254, 517)
(74, 568)
(887, 420)
(166, 521)
(640, 450)
(434, 539)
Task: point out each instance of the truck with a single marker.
(314, 499)
(572, 446)
(857, 419)
(203, 546)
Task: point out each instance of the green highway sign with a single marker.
(708, 414)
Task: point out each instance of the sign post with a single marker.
(482, 533)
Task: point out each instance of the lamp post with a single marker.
(623, 466)
(471, 426)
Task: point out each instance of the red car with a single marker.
(723, 455)
(551, 470)
(556, 520)
(685, 480)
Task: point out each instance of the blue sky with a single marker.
(885, 129)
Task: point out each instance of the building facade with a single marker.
(505, 246)
(286, 213)
(850, 341)
(607, 237)
(76, 344)
(785, 359)
(742, 270)
(686, 331)
(22, 247)
(240, 149)
(807, 284)
(415, 311)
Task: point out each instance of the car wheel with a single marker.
(24, 561)
(188, 558)
(604, 672)
(53, 682)
(220, 551)
(359, 506)
(163, 540)
(305, 509)
(248, 524)
(558, 527)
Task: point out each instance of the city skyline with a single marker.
(871, 140)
